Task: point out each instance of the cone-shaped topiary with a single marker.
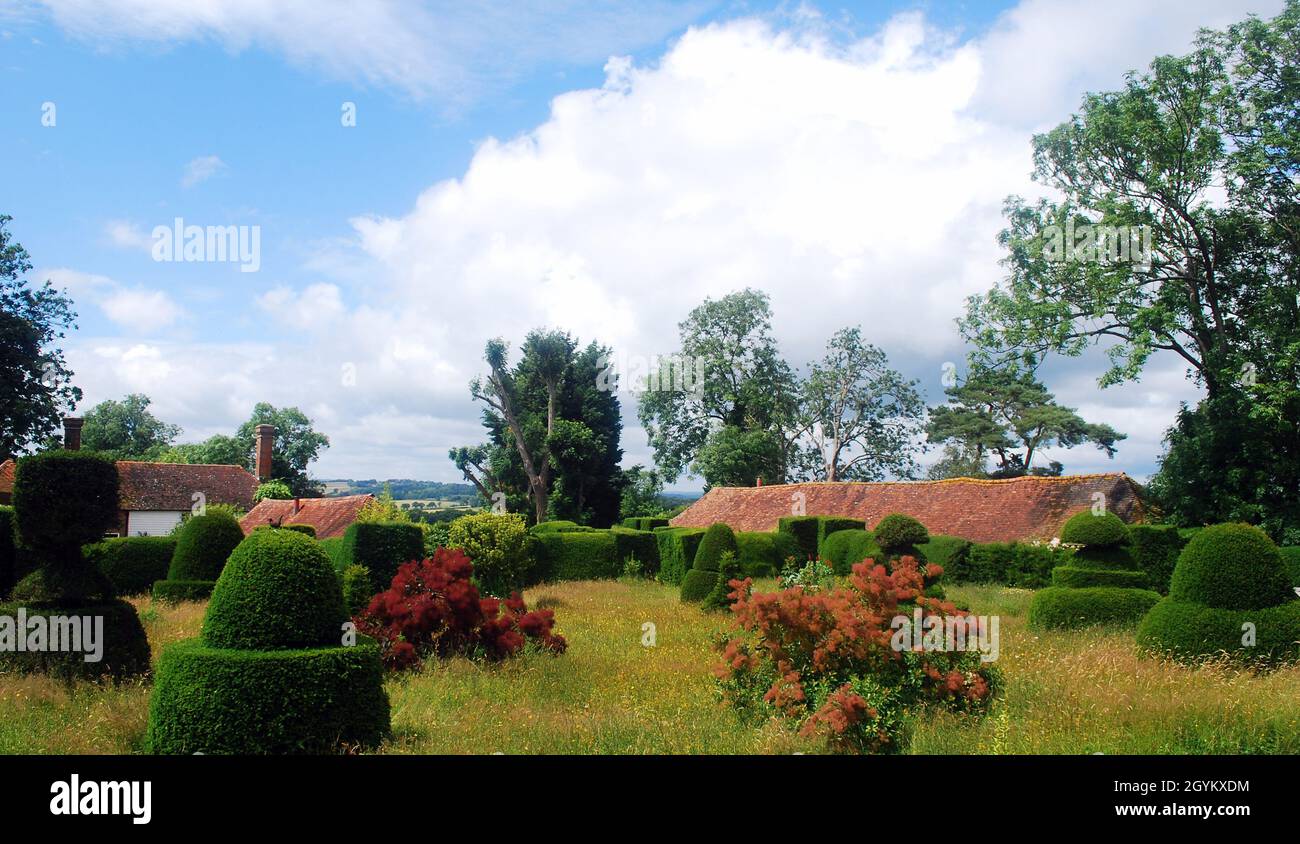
(728, 570)
(201, 551)
(1102, 583)
(274, 670)
(718, 539)
(1230, 594)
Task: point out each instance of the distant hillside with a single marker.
(404, 489)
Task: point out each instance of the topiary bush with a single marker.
(202, 547)
(899, 534)
(560, 526)
(722, 595)
(132, 563)
(63, 500)
(697, 585)
(827, 525)
(307, 529)
(762, 553)
(176, 591)
(677, 547)
(804, 530)
(1075, 577)
(272, 671)
(1102, 583)
(1068, 608)
(950, 552)
(1291, 559)
(1095, 531)
(718, 540)
(845, 548)
(1156, 548)
(381, 547)
(123, 645)
(1230, 595)
(639, 544)
(8, 551)
(578, 555)
(497, 543)
(1018, 564)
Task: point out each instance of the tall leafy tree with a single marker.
(126, 429)
(858, 418)
(747, 395)
(217, 449)
(297, 444)
(35, 382)
(642, 491)
(1009, 416)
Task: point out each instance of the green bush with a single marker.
(175, 591)
(278, 590)
(8, 551)
(762, 553)
(897, 534)
(38, 587)
(561, 526)
(307, 529)
(827, 525)
(1099, 531)
(333, 548)
(202, 547)
(497, 543)
(273, 489)
(718, 539)
(728, 570)
(1231, 567)
(357, 590)
(579, 555)
(950, 552)
(640, 544)
(213, 700)
(132, 563)
(1291, 559)
(677, 547)
(1114, 558)
(644, 522)
(63, 500)
(1156, 549)
(381, 547)
(125, 648)
(1075, 577)
(1061, 608)
(1190, 632)
(804, 530)
(845, 548)
(697, 585)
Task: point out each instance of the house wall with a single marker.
(151, 522)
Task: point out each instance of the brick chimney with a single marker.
(262, 455)
(760, 481)
(72, 432)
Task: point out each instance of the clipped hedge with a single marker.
(827, 525)
(125, 647)
(63, 500)
(718, 540)
(950, 552)
(1190, 632)
(763, 553)
(560, 526)
(898, 534)
(1017, 564)
(381, 547)
(1059, 607)
(640, 544)
(577, 555)
(132, 563)
(1098, 531)
(697, 585)
(175, 591)
(214, 700)
(677, 547)
(805, 531)
(1291, 559)
(644, 522)
(845, 548)
(1076, 577)
(8, 551)
(202, 547)
(307, 529)
(333, 548)
(1155, 549)
(1233, 567)
(354, 582)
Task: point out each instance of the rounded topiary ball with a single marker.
(718, 539)
(1092, 531)
(278, 590)
(63, 500)
(203, 546)
(1231, 567)
(898, 532)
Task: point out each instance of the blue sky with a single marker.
(469, 202)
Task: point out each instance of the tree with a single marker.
(747, 390)
(275, 490)
(35, 382)
(642, 489)
(217, 449)
(126, 430)
(860, 418)
(732, 456)
(1007, 414)
(577, 453)
(296, 445)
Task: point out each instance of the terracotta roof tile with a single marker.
(979, 510)
(329, 516)
(169, 486)
(7, 476)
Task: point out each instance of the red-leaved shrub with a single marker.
(826, 658)
(432, 608)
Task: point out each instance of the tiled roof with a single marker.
(169, 486)
(329, 516)
(979, 510)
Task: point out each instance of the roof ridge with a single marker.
(1035, 478)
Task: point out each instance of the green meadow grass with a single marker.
(1082, 692)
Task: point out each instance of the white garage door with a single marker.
(151, 522)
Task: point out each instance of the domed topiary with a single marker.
(1095, 531)
(1231, 567)
(276, 669)
(1229, 594)
(697, 585)
(899, 534)
(201, 551)
(718, 539)
(278, 590)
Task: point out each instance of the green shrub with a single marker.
(8, 551)
(63, 500)
(213, 700)
(898, 534)
(1099, 531)
(1291, 559)
(1114, 558)
(381, 547)
(1061, 608)
(333, 548)
(125, 647)
(827, 525)
(38, 587)
(274, 489)
(644, 522)
(1017, 564)
(1231, 567)
(718, 539)
(950, 552)
(697, 585)
(561, 526)
(762, 553)
(1155, 549)
(1075, 577)
(728, 570)
(307, 529)
(1190, 632)
(497, 543)
(175, 591)
(132, 563)
(202, 547)
(677, 548)
(357, 590)
(580, 555)
(278, 590)
(804, 530)
(639, 544)
(845, 548)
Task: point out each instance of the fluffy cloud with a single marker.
(201, 169)
(136, 309)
